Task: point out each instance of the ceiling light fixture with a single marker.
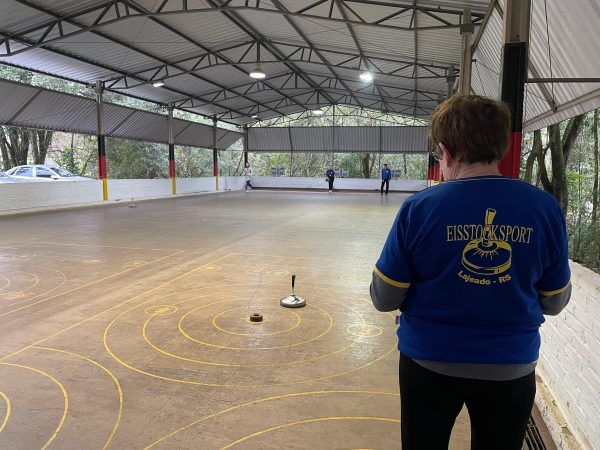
(158, 83)
(318, 112)
(258, 73)
(255, 116)
(366, 76)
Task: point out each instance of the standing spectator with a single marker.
(248, 174)
(473, 264)
(330, 174)
(386, 176)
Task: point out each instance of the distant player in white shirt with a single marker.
(247, 172)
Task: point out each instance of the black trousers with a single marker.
(387, 186)
(499, 410)
(248, 184)
(331, 183)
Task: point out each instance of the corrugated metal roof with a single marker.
(388, 139)
(88, 57)
(28, 106)
(569, 46)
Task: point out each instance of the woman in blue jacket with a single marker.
(473, 264)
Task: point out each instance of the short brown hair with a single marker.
(474, 129)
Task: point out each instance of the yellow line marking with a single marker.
(299, 422)
(6, 417)
(95, 315)
(558, 291)
(110, 374)
(64, 393)
(263, 400)
(215, 318)
(6, 285)
(69, 244)
(389, 280)
(37, 281)
(64, 280)
(86, 285)
(270, 257)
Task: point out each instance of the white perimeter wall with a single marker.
(570, 363)
(28, 197)
(340, 183)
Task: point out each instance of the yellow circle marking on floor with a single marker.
(7, 283)
(64, 280)
(247, 320)
(182, 331)
(210, 363)
(198, 383)
(264, 400)
(367, 331)
(160, 310)
(299, 422)
(7, 415)
(64, 393)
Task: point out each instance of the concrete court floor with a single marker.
(128, 328)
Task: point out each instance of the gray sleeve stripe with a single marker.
(386, 297)
(554, 304)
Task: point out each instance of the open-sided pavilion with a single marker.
(238, 63)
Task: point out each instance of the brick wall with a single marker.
(570, 361)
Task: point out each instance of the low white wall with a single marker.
(340, 183)
(30, 197)
(20, 197)
(570, 364)
(127, 189)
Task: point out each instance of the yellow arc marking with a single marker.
(6, 417)
(299, 422)
(263, 400)
(110, 374)
(7, 283)
(101, 312)
(64, 393)
(64, 280)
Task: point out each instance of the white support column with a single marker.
(466, 59)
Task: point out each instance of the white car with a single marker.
(8, 179)
(45, 173)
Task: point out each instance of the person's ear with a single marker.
(446, 155)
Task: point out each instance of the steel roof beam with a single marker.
(340, 6)
(251, 31)
(131, 47)
(203, 47)
(280, 7)
(105, 7)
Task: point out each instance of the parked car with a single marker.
(46, 173)
(4, 178)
